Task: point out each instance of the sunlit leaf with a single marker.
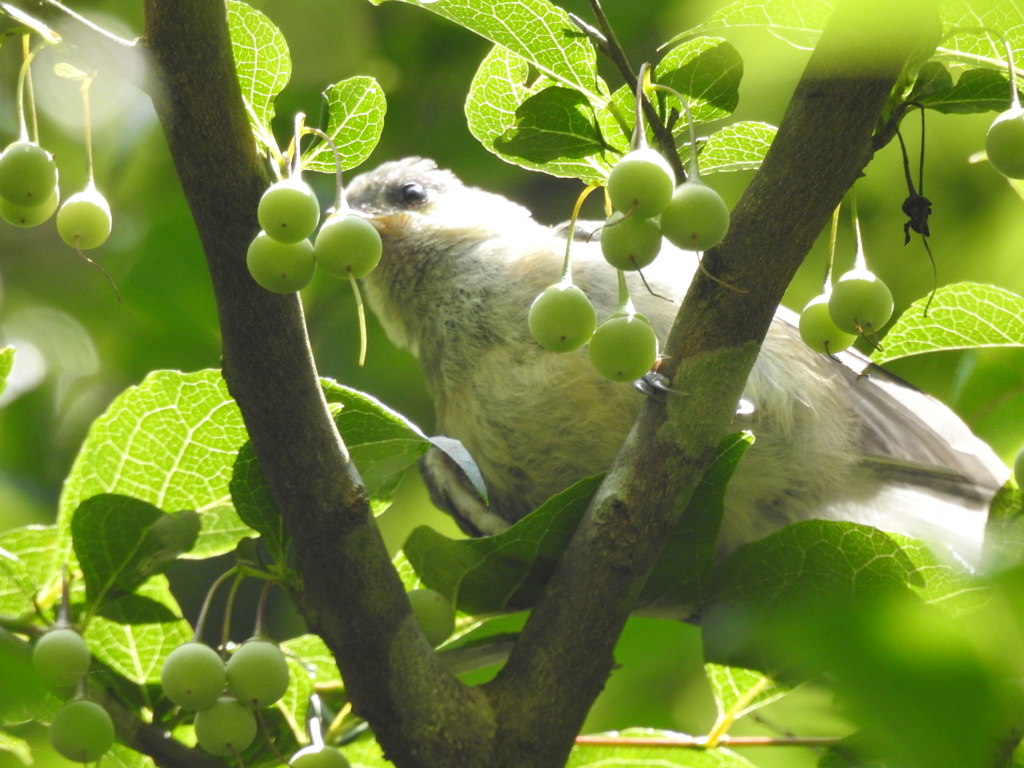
(798, 22)
(535, 30)
(121, 756)
(738, 147)
(262, 63)
(295, 702)
(314, 656)
(30, 564)
(15, 746)
(355, 120)
(614, 755)
(961, 316)
(976, 26)
(133, 636)
(739, 691)
(6, 363)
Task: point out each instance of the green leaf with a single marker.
(15, 746)
(294, 705)
(1004, 531)
(951, 589)
(498, 89)
(6, 363)
(708, 71)
(797, 22)
(365, 752)
(30, 563)
(120, 542)
(383, 444)
(262, 64)
(961, 316)
(739, 691)
(506, 571)
(121, 756)
(536, 30)
(170, 441)
(932, 78)
(254, 505)
(738, 147)
(355, 120)
(681, 577)
(555, 124)
(976, 46)
(313, 654)
(615, 756)
(977, 90)
(130, 637)
(406, 572)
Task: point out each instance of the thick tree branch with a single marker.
(565, 651)
(351, 594)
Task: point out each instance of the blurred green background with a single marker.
(78, 347)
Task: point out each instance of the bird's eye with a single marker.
(413, 194)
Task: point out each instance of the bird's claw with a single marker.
(654, 384)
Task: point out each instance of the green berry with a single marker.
(84, 220)
(630, 243)
(280, 267)
(860, 302)
(225, 728)
(1004, 143)
(319, 757)
(20, 216)
(258, 673)
(1018, 468)
(624, 347)
(62, 657)
(82, 731)
(193, 676)
(348, 243)
(434, 614)
(289, 211)
(696, 219)
(28, 175)
(562, 318)
(641, 183)
(819, 332)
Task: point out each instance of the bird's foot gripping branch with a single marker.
(820, 519)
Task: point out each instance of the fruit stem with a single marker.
(827, 288)
(340, 203)
(267, 737)
(225, 631)
(30, 93)
(295, 168)
(197, 636)
(694, 170)
(625, 303)
(1012, 74)
(643, 81)
(567, 264)
(362, 318)
(86, 83)
(64, 612)
(261, 618)
(23, 75)
(859, 261)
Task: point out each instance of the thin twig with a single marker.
(617, 56)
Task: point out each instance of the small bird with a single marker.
(835, 437)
